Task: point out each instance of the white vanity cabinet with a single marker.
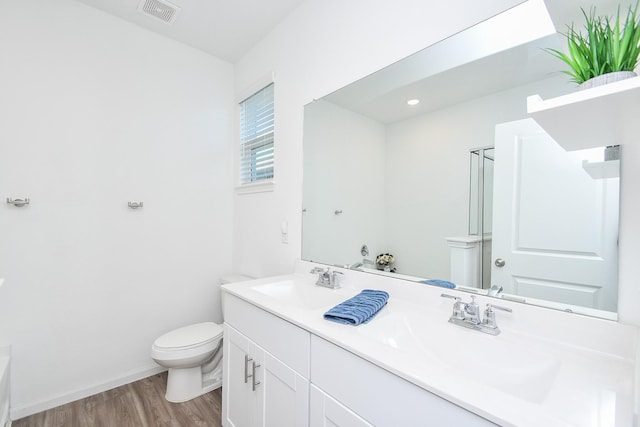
(325, 411)
(377, 396)
(243, 406)
(265, 376)
(278, 374)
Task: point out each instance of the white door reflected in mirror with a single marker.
(557, 225)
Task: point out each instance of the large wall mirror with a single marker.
(462, 186)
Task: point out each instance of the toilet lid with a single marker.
(189, 336)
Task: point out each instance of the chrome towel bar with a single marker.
(135, 205)
(18, 202)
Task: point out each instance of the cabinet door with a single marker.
(327, 412)
(286, 395)
(259, 390)
(239, 400)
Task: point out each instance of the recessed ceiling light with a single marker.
(413, 102)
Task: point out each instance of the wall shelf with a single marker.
(602, 170)
(603, 115)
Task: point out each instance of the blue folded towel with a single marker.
(358, 309)
(441, 283)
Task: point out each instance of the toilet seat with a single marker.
(189, 337)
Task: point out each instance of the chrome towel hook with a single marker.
(135, 205)
(18, 202)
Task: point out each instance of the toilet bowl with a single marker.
(192, 354)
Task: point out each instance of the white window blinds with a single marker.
(256, 136)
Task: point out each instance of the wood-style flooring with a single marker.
(139, 404)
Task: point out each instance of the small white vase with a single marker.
(606, 79)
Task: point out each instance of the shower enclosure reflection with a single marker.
(481, 207)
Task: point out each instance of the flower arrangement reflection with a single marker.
(384, 262)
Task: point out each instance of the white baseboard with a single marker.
(131, 376)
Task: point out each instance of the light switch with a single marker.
(284, 231)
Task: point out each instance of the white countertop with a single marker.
(547, 368)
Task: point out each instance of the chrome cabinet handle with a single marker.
(499, 262)
(246, 368)
(254, 383)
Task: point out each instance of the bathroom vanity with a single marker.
(288, 376)
(287, 366)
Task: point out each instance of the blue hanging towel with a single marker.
(358, 309)
(441, 283)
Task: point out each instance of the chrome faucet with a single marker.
(472, 312)
(467, 314)
(358, 265)
(489, 320)
(327, 278)
(494, 291)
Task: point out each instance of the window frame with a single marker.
(255, 184)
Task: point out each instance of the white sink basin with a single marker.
(302, 295)
(506, 362)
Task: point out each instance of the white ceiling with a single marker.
(225, 29)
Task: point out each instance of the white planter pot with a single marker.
(606, 79)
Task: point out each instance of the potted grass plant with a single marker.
(608, 51)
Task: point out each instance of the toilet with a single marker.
(193, 356)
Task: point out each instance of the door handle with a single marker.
(499, 262)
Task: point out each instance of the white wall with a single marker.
(344, 162)
(96, 112)
(320, 47)
(324, 45)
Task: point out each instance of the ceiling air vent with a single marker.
(159, 9)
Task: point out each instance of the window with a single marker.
(256, 136)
